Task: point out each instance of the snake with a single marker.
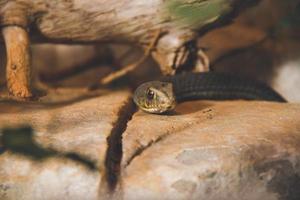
(162, 95)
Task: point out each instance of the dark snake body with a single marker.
(220, 86)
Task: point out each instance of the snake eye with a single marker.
(150, 94)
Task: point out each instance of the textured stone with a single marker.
(67, 122)
(53, 178)
(214, 151)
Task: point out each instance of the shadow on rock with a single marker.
(21, 141)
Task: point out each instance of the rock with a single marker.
(204, 150)
(214, 150)
(70, 131)
(54, 178)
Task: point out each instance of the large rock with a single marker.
(71, 128)
(209, 150)
(204, 150)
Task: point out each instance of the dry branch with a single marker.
(18, 61)
(130, 21)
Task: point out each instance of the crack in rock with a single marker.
(114, 150)
(160, 138)
(142, 148)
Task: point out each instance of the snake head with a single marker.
(155, 97)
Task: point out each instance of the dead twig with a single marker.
(125, 70)
(18, 61)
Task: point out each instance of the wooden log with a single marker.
(126, 21)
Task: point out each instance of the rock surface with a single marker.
(75, 125)
(214, 150)
(204, 150)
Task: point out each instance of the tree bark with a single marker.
(130, 21)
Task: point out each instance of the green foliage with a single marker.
(198, 12)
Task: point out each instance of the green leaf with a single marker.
(197, 13)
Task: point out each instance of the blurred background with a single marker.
(262, 43)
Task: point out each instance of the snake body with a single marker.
(161, 96)
(219, 86)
